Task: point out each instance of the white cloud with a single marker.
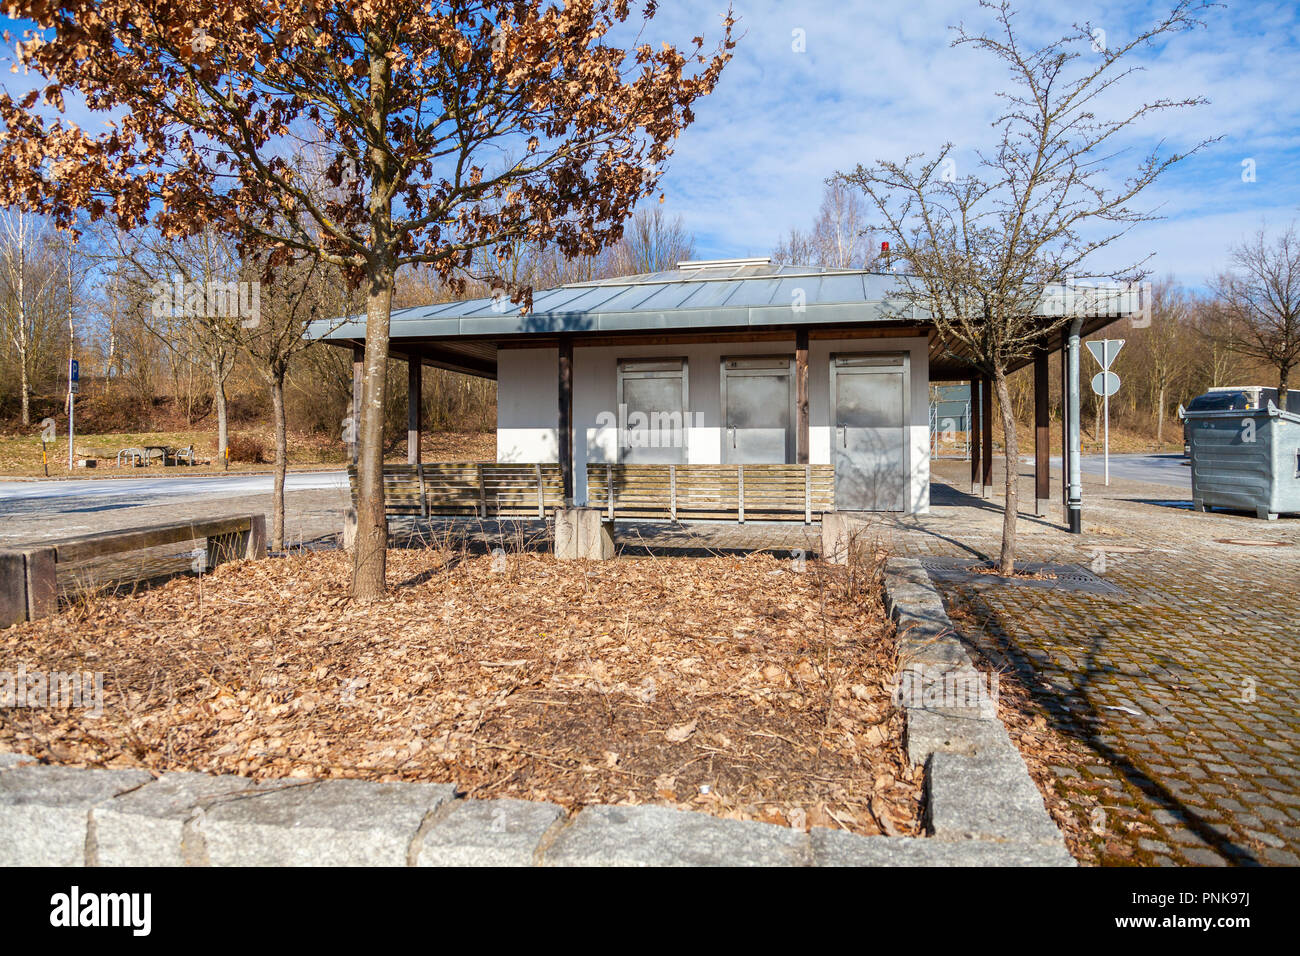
(880, 80)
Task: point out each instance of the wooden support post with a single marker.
(672, 490)
(541, 497)
(1042, 436)
(358, 379)
(13, 588)
(986, 432)
(807, 494)
(1065, 429)
(414, 410)
(609, 478)
(740, 492)
(566, 418)
(801, 395)
(976, 442)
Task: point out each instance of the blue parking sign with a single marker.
(74, 370)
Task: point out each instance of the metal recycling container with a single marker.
(1246, 460)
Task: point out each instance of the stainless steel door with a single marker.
(652, 398)
(869, 440)
(758, 411)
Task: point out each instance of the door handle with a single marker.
(732, 429)
(844, 436)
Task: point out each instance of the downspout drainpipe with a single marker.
(1075, 503)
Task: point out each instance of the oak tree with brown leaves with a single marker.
(413, 106)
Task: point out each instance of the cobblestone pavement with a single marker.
(1184, 689)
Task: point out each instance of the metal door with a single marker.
(757, 411)
(652, 398)
(869, 394)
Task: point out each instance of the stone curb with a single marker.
(978, 788)
(65, 816)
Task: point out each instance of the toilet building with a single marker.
(765, 369)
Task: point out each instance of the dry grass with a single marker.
(740, 686)
(20, 454)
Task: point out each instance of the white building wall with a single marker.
(528, 405)
(528, 402)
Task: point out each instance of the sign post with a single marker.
(74, 385)
(1106, 383)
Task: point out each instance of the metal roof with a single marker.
(725, 293)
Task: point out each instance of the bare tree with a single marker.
(299, 293)
(1261, 295)
(984, 247)
(29, 276)
(839, 237)
(1163, 346)
(653, 242)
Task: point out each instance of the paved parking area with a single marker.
(1183, 690)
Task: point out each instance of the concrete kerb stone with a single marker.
(313, 823)
(977, 785)
(657, 836)
(8, 760)
(45, 812)
(986, 797)
(583, 534)
(841, 848)
(159, 824)
(68, 816)
(843, 536)
(487, 833)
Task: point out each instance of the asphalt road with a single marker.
(20, 498)
(1168, 469)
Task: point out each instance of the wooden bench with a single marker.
(469, 488)
(712, 492)
(29, 575)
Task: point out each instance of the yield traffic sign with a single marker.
(1105, 351)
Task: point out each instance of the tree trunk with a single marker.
(370, 553)
(23, 357)
(1160, 417)
(24, 385)
(219, 399)
(1283, 380)
(281, 454)
(1011, 452)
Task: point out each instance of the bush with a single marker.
(247, 448)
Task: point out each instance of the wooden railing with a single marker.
(712, 492)
(29, 576)
(673, 492)
(485, 490)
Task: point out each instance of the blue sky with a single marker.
(879, 80)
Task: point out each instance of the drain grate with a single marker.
(1065, 577)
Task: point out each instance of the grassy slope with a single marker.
(20, 454)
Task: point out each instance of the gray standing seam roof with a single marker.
(703, 296)
(684, 298)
